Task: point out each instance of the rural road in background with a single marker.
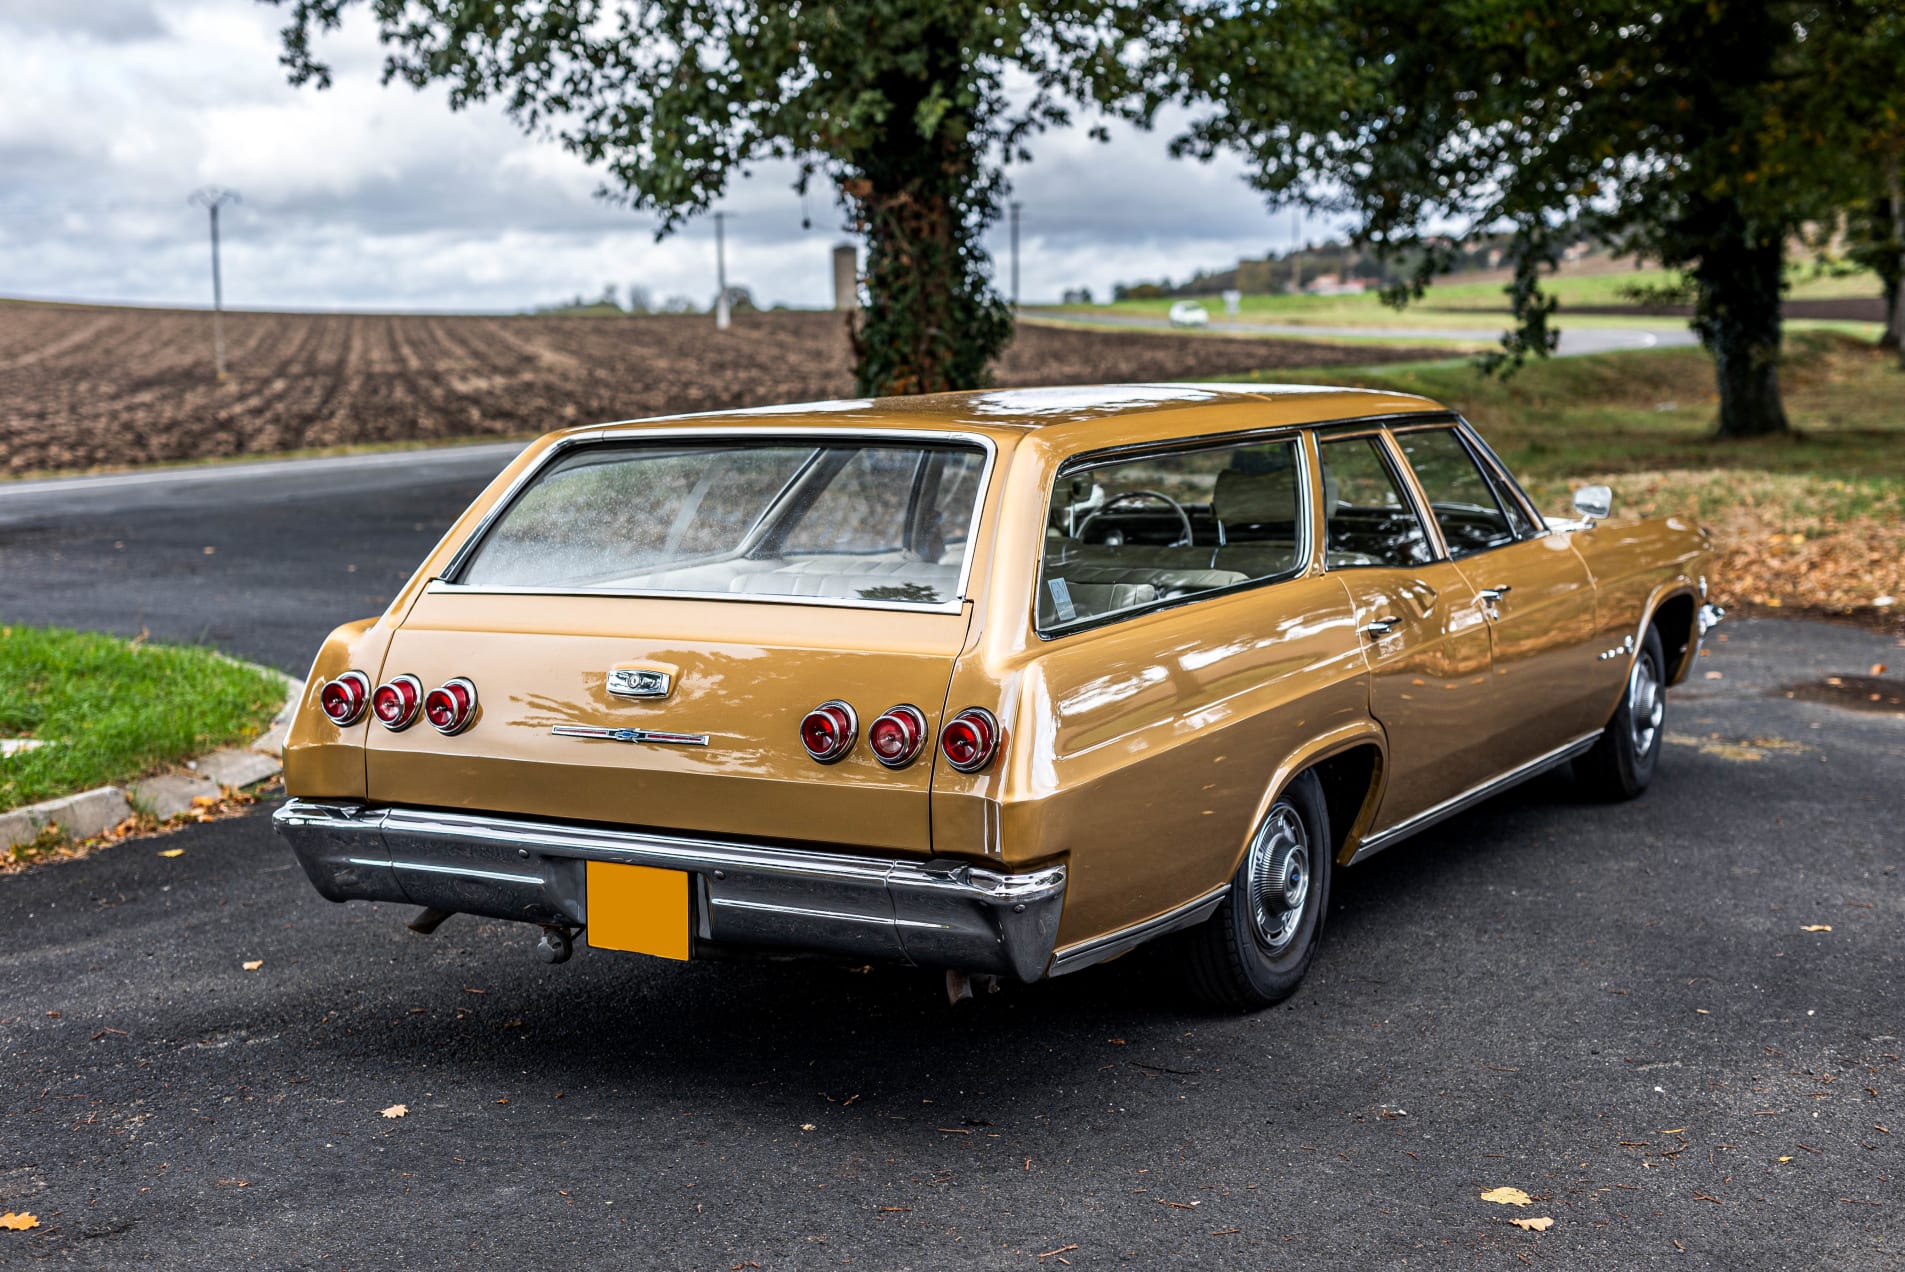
(1574, 340)
(1618, 1010)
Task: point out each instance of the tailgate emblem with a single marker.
(638, 682)
(629, 735)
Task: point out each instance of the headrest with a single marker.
(1242, 498)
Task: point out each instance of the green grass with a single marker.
(113, 710)
(1648, 412)
(1478, 304)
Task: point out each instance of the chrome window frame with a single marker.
(442, 584)
(1084, 462)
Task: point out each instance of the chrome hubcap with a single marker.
(1277, 878)
(1646, 704)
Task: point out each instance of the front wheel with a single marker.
(1623, 760)
(1256, 948)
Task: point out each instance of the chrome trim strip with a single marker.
(1112, 944)
(628, 735)
(460, 871)
(1395, 834)
(630, 433)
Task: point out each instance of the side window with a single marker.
(863, 509)
(1367, 520)
(1131, 534)
(1459, 493)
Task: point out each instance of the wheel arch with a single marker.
(1350, 764)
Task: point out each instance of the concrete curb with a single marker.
(166, 795)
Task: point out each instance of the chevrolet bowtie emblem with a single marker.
(629, 735)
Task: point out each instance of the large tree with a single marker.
(907, 110)
(1704, 134)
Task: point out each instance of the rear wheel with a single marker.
(1623, 761)
(1256, 948)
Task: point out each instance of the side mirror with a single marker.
(1594, 502)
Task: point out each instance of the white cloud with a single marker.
(367, 196)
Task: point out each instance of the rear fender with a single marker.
(1324, 747)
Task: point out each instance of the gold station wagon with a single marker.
(1002, 683)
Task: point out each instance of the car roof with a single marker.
(1082, 416)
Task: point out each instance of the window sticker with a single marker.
(1062, 600)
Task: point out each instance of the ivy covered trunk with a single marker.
(923, 195)
(1737, 317)
(1892, 264)
(932, 321)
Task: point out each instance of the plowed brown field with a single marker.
(86, 386)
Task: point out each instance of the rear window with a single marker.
(856, 521)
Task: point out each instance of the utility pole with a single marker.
(212, 198)
(721, 316)
(1014, 207)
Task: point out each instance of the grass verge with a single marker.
(109, 710)
(1815, 519)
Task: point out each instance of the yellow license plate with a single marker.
(638, 908)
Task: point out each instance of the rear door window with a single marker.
(1368, 518)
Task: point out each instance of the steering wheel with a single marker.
(1184, 518)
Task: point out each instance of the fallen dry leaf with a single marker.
(1534, 1225)
(204, 801)
(1817, 927)
(19, 1222)
(172, 852)
(396, 1110)
(806, 1126)
(253, 965)
(1878, 669)
(1507, 1197)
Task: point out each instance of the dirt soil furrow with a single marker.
(88, 386)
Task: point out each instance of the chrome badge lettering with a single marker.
(629, 735)
(638, 682)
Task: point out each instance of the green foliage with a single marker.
(1701, 133)
(111, 710)
(901, 107)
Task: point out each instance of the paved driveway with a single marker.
(1617, 1010)
(1574, 338)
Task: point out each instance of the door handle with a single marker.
(1380, 626)
(1493, 594)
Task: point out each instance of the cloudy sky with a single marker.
(371, 197)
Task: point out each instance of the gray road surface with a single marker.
(1574, 340)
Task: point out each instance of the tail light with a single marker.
(970, 739)
(396, 702)
(345, 698)
(828, 731)
(451, 706)
(897, 736)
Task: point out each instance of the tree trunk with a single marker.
(932, 322)
(1738, 321)
(1894, 337)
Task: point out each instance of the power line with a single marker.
(212, 198)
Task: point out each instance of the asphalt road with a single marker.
(1573, 339)
(1614, 1009)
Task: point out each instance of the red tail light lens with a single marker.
(451, 706)
(897, 736)
(970, 739)
(828, 731)
(345, 698)
(396, 702)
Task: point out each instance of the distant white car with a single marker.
(1188, 313)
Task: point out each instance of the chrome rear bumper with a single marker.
(939, 913)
